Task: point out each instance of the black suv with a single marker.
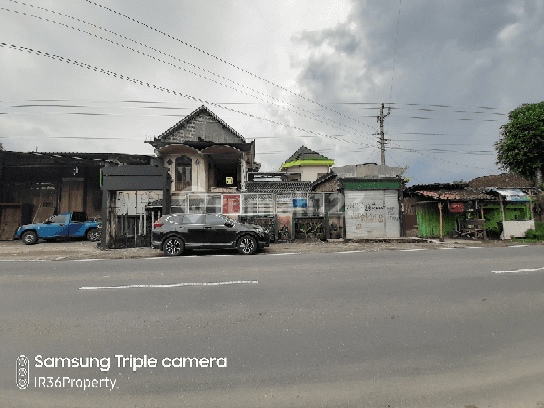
(173, 233)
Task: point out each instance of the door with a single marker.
(217, 231)
(365, 214)
(54, 227)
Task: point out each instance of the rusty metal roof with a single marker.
(466, 194)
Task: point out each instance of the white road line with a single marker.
(221, 255)
(88, 260)
(287, 253)
(474, 247)
(516, 246)
(448, 248)
(158, 257)
(520, 270)
(349, 252)
(171, 285)
(411, 250)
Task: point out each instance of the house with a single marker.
(205, 155)
(433, 210)
(36, 185)
(500, 200)
(306, 165)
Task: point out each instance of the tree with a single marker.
(520, 149)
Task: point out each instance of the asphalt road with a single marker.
(435, 328)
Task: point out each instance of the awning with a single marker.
(513, 195)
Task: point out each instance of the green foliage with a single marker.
(520, 149)
(537, 233)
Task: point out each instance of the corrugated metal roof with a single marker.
(454, 195)
(278, 186)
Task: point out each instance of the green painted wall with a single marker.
(428, 220)
(492, 214)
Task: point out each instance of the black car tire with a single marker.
(173, 246)
(247, 245)
(29, 238)
(92, 234)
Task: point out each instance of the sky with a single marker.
(107, 75)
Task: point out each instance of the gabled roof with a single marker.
(182, 123)
(305, 156)
(303, 153)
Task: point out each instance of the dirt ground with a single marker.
(81, 249)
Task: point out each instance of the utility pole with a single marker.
(382, 140)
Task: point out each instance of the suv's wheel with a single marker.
(173, 246)
(247, 245)
(93, 234)
(30, 238)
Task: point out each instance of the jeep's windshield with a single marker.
(57, 219)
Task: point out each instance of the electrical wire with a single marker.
(178, 67)
(223, 61)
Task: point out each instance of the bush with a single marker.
(537, 233)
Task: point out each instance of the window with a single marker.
(183, 173)
(214, 220)
(58, 219)
(193, 219)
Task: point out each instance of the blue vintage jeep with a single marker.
(60, 226)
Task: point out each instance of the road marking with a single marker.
(157, 257)
(88, 260)
(221, 255)
(287, 253)
(448, 248)
(516, 246)
(171, 285)
(411, 250)
(520, 270)
(349, 252)
(474, 247)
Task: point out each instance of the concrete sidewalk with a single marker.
(81, 249)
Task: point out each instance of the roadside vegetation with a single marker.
(533, 235)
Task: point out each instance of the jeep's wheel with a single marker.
(247, 245)
(30, 238)
(93, 234)
(173, 246)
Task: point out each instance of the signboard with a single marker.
(229, 180)
(457, 207)
(461, 207)
(300, 203)
(231, 203)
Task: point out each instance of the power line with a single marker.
(176, 66)
(163, 89)
(221, 60)
(159, 88)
